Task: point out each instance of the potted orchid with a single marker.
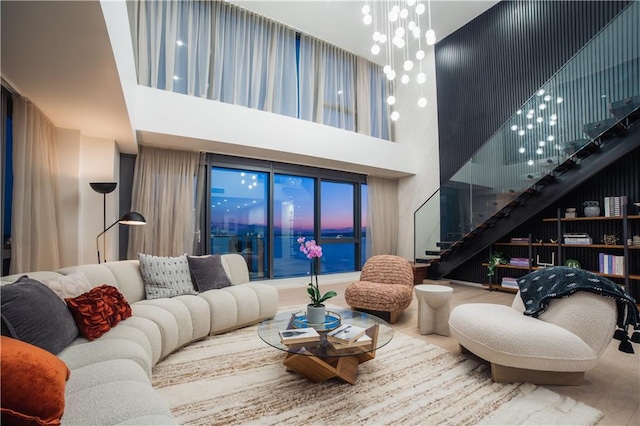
(315, 310)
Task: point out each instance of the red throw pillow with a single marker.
(98, 310)
(32, 386)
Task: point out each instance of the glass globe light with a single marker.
(420, 55)
(383, 38)
(430, 36)
(552, 123)
(519, 112)
(375, 49)
(539, 119)
(395, 115)
(514, 127)
(376, 36)
(559, 100)
(393, 17)
(522, 150)
(391, 100)
(400, 32)
(408, 65)
(422, 102)
(521, 132)
(529, 126)
(554, 117)
(421, 78)
(366, 9)
(550, 138)
(411, 25)
(539, 151)
(391, 75)
(400, 43)
(542, 106)
(530, 111)
(541, 143)
(386, 69)
(547, 98)
(404, 13)
(411, 2)
(416, 32)
(404, 79)
(530, 162)
(420, 9)
(367, 19)
(395, 9)
(540, 92)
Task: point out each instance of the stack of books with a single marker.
(519, 240)
(613, 205)
(577, 239)
(348, 336)
(509, 282)
(299, 335)
(611, 264)
(519, 261)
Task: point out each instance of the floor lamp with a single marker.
(131, 218)
(104, 188)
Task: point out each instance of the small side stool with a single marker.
(433, 308)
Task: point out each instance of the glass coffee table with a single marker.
(319, 361)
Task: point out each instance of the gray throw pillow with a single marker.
(208, 272)
(33, 313)
(165, 276)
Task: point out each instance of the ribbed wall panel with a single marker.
(486, 70)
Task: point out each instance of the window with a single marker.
(259, 209)
(239, 219)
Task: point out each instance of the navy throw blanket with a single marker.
(539, 287)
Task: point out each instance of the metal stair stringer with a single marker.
(610, 152)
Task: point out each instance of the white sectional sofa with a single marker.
(110, 376)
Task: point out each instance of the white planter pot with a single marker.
(316, 314)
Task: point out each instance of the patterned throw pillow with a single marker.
(208, 272)
(98, 310)
(165, 276)
(71, 285)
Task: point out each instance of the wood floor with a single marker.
(613, 386)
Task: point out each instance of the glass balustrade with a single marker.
(582, 102)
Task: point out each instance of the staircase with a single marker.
(560, 137)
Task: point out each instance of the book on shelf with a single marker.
(299, 335)
(360, 341)
(519, 240)
(610, 264)
(578, 240)
(613, 205)
(519, 261)
(509, 282)
(346, 333)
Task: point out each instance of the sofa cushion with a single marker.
(32, 312)
(165, 276)
(33, 384)
(99, 309)
(207, 272)
(71, 285)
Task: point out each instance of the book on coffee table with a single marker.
(299, 335)
(346, 333)
(363, 340)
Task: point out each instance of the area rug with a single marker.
(236, 378)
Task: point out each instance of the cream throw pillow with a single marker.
(69, 286)
(165, 276)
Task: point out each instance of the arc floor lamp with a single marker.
(131, 218)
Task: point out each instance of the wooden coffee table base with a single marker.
(317, 369)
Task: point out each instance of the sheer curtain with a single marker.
(164, 192)
(327, 84)
(34, 231)
(382, 222)
(372, 89)
(219, 51)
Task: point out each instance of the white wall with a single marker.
(417, 132)
(81, 160)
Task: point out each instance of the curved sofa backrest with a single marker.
(236, 268)
(387, 269)
(587, 315)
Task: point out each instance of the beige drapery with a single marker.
(34, 231)
(382, 221)
(164, 189)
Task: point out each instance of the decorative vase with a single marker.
(591, 208)
(316, 314)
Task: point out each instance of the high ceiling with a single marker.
(57, 53)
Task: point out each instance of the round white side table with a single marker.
(433, 308)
